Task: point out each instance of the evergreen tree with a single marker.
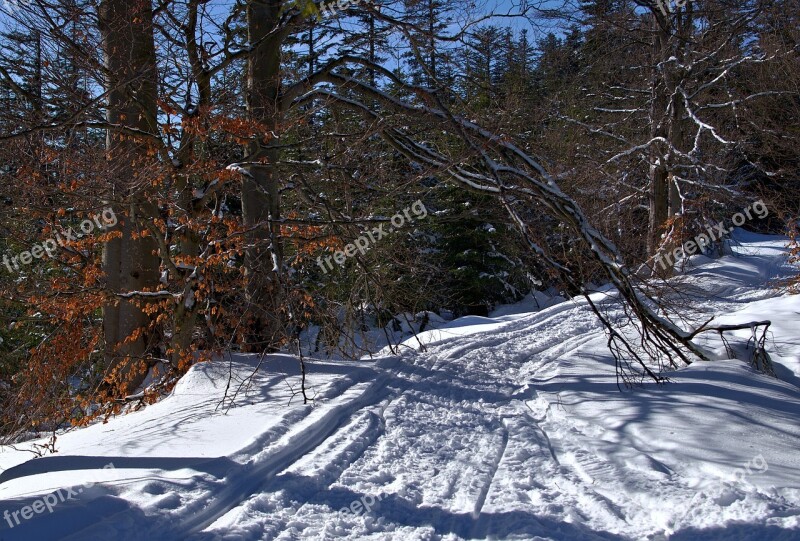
(369, 38)
(425, 60)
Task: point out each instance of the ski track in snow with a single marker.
(493, 435)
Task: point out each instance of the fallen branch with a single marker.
(760, 359)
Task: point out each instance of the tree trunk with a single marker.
(666, 123)
(191, 147)
(260, 194)
(659, 189)
(130, 262)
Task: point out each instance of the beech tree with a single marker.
(244, 142)
(130, 261)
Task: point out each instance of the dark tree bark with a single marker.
(260, 194)
(130, 262)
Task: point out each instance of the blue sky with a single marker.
(536, 28)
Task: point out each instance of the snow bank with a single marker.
(508, 427)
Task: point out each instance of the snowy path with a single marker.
(453, 433)
(511, 428)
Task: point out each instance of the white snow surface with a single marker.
(509, 427)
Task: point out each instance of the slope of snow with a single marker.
(510, 427)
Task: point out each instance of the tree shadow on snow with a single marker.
(216, 466)
(397, 510)
(737, 532)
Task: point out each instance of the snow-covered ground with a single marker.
(509, 427)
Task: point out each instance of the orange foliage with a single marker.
(65, 380)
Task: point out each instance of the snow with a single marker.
(507, 427)
(532, 302)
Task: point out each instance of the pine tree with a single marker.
(483, 56)
(368, 39)
(425, 60)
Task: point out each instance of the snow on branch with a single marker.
(660, 341)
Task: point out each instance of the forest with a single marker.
(181, 179)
